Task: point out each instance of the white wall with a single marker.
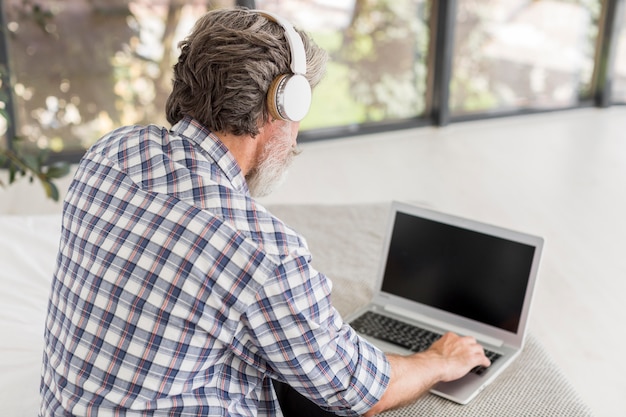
(472, 165)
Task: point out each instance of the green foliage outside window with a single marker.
(21, 163)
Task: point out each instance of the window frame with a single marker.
(7, 82)
(606, 47)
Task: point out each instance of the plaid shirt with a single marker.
(176, 293)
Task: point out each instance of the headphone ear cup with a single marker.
(272, 97)
(289, 97)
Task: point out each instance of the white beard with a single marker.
(271, 171)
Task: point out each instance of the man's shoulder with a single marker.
(157, 161)
(260, 225)
(130, 135)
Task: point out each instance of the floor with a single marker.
(559, 175)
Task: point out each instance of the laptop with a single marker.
(446, 273)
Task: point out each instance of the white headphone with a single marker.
(289, 95)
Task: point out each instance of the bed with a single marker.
(346, 244)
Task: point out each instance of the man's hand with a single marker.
(449, 358)
(458, 355)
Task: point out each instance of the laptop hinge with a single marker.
(482, 338)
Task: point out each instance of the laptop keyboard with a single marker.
(403, 334)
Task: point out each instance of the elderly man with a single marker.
(176, 292)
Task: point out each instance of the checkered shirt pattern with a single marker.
(177, 294)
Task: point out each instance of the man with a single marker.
(176, 292)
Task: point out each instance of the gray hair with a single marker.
(226, 66)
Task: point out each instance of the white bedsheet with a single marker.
(28, 247)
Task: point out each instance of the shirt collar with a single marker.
(212, 148)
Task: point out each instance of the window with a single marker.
(79, 68)
(522, 54)
(83, 67)
(378, 50)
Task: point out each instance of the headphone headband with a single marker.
(296, 47)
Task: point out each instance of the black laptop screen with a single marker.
(464, 272)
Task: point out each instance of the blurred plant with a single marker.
(19, 162)
(22, 164)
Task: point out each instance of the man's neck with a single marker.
(244, 148)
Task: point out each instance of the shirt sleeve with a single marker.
(294, 334)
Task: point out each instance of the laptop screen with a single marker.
(471, 274)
